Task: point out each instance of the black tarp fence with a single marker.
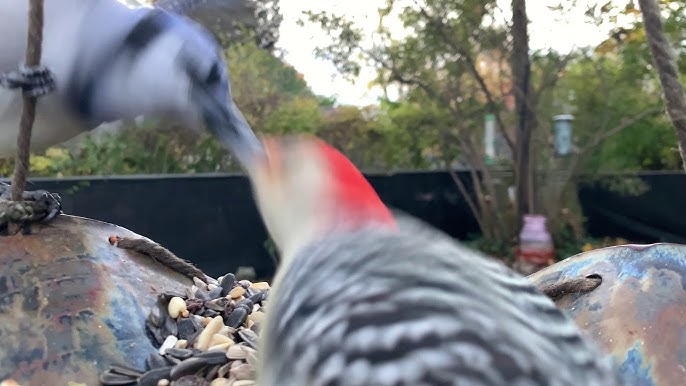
(656, 215)
(212, 220)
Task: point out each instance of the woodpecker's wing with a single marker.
(414, 308)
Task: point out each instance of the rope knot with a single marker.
(39, 205)
(34, 81)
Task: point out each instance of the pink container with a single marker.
(535, 243)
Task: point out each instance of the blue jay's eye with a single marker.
(214, 75)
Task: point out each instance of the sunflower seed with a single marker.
(185, 328)
(258, 297)
(180, 353)
(237, 317)
(187, 367)
(172, 360)
(112, 379)
(168, 343)
(125, 370)
(249, 337)
(215, 293)
(227, 283)
(247, 304)
(210, 313)
(154, 361)
(152, 377)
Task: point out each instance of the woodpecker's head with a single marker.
(305, 189)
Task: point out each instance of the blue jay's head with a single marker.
(164, 66)
(210, 93)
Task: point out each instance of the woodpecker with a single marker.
(109, 62)
(364, 296)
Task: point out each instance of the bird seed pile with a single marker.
(206, 337)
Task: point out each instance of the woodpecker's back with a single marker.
(380, 307)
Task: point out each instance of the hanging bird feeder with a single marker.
(562, 127)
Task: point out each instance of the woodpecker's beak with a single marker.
(228, 125)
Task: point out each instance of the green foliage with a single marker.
(135, 151)
(603, 92)
(262, 84)
(300, 114)
(615, 82)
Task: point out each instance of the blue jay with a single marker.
(110, 62)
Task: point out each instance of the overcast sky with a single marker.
(545, 32)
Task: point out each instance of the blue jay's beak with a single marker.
(227, 124)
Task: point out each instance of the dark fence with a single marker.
(212, 220)
(658, 215)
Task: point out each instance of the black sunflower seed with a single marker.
(172, 360)
(170, 327)
(212, 372)
(214, 357)
(152, 377)
(247, 304)
(185, 328)
(237, 317)
(180, 353)
(154, 361)
(215, 293)
(210, 313)
(249, 337)
(112, 379)
(258, 297)
(187, 367)
(227, 283)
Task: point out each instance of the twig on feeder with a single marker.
(159, 254)
(28, 113)
(559, 289)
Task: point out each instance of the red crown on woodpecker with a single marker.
(306, 189)
(353, 195)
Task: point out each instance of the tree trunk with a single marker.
(521, 71)
(665, 63)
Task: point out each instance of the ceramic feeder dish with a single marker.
(638, 312)
(71, 304)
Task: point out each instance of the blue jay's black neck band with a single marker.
(83, 84)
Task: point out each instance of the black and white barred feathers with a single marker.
(378, 307)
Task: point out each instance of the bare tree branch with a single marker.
(626, 122)
(439, 27)
(470, 202)
(551, 79)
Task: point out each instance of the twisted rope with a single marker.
(159, 254)
(28, 112)
(21, 211)
(33, 81)
(666, 65)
